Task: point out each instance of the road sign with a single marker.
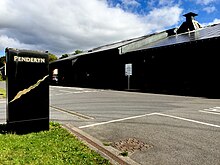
(128, 69)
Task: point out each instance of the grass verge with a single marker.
(56, 147)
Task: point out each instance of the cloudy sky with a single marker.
(63, 26)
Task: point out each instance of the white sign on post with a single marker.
(128, 69)
(128, 72)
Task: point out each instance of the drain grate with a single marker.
(130, 145)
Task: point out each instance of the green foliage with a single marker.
(56, 147)
(64, 56)
(2, 61)
(52, 57)
(1, 78)
(67, 55)
(77, 52)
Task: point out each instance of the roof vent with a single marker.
(190, 23)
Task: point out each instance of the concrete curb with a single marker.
(110, 153)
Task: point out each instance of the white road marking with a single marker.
(209, 112)
(117, 120)
(214, 110)
(69, 92)
(61, 87)
(150, 114)
(190, 120)
(65, 91)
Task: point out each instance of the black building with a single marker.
(181, 61)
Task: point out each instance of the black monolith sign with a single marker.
(27, 90)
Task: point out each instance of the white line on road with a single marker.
(150, 114)
(65, 91)
(216, 109)
(117, 120)
(190, 120)
(69, 92)
(209, 112)
(61, 87)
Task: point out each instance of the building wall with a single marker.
(185, 69)
(188, 69)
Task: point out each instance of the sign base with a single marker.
(25, 127)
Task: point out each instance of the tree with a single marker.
(77, 52)
(52, 57)
(2, 61)
(67, 55)
(64, 56)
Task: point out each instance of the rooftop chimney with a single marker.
(190, 23)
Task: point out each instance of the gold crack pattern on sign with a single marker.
(23, 92)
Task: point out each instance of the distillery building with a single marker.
(182, 61)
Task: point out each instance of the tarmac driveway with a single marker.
(155, 129)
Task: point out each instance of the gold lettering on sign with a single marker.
(29, 59)
(23, 92)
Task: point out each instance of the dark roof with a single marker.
(111, 46)
(212, 31)
(200, 34)
(116, 44)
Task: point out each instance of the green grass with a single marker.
(56, 147)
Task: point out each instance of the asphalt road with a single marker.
(179, 129)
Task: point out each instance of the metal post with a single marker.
(128, 82)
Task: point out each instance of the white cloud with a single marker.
(64, 26)
(126, 5)
(166, 2)
(159, 18)
(12, 42)
(215, 21)
(162, 3)
(205, 2)
(209, 9)
(130, 3)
